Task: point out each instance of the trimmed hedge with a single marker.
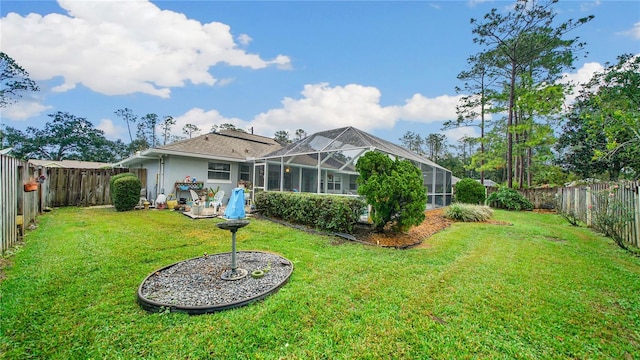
(113, 180)
(469, 191)
(323, 212)
(126, 192)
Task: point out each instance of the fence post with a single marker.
(576, 197)
(589, 206)
(635, 192)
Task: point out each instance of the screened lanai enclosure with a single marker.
(324, 163)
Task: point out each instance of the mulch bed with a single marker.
(434, 222)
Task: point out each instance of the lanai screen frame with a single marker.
(280, 172)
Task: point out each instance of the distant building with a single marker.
(70, 164)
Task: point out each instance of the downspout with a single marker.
(319, 175)
(161, 179)
(281, 173)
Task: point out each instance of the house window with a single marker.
(245, 172)
(353, 185)
(219, 171)
(333, 182)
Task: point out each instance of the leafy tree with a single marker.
(226, 126)
(300, 134)
(453, 163)
(577, 145)
(473, 108)
(148, 130)
(129, 117)
(165, 126)
(613, 98)
(67, 137)
(413, 142)
(600, 134)
(436, 145)
(282, 136)
(526, 41)
(394, 190)
(14, 80)
(465, 147)
(190, 130)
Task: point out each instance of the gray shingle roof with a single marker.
(226, 143)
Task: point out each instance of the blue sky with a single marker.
(383, 67)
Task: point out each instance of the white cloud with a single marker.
(426, 110)
(244, 39)
(123, 47)
(323, 107)
(204, 120)
(634, 32)
(111, 131)
(589, 5)
(455, 134)
(582, 76)
(23, 110)
(225, 82)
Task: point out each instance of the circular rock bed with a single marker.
(195, 286)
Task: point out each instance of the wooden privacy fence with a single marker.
(19, 208)
(82, 187)
(610, 208)
(541, 198)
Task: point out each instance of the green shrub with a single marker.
(126, 192)
(510, 199)
(468, 212)
(469, 191)
(394, 189)
(323, 212)
(113, 179)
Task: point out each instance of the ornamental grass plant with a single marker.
(468, 212)
(539, 289)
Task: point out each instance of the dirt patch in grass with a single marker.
(434, 221)
(4, 264)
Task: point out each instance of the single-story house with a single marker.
(325, 163)
(320, 163)
(220, 159)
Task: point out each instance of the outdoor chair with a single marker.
(194, 196)
(217, 200)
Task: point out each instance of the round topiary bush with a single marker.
(126, 193)
(116, 177)
(469, 191)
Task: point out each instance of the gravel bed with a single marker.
(196, 283)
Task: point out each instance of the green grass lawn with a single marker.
(539, 289)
